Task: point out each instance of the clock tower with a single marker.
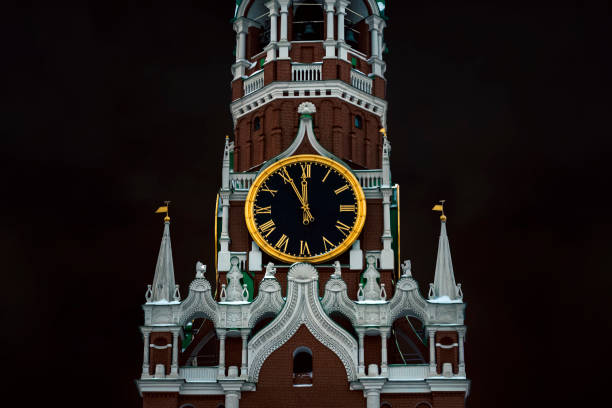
(307, 302)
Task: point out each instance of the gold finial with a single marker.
(226, 137)
(440, 207)
(164, 209)
(383, 131)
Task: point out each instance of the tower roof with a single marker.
(444, 289)
(163, 281)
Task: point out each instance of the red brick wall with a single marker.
(160, 399)
(239, 234)
(447, 355)
(157, 356)
(334, 126)
(405, 400)
(448, 399)
(202, 401)
(329, 386)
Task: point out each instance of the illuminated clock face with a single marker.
(305, 208)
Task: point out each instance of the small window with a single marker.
(257, 123)
(358, 122)
(302, 367)
(262, 61)
(354, 62)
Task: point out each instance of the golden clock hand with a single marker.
(285, 175)
(307, 216)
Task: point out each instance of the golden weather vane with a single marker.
(440, 208)
(164, 209)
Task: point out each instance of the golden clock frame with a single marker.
(268, 248)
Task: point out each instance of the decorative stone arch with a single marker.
(407, 301)
(199, 303)
(187, 406)
(302, 308)
(423, 404)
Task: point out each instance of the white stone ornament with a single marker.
(177, 294)
(149, 294)
(306, 108)
(371, 290)
(200, 270)
(406, 268)
(270, 271)
(234, 288)
(337, 270)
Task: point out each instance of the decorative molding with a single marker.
(302, 308)
(169, 345)
(450, 346)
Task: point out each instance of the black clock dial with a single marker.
(306, 209)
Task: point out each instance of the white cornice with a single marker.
(337, 89)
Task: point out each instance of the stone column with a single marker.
(432, 352)
(223, 261)
(174, 366)
(241, 27)
(384, 335)
(244, 333)
(341, 12)
(461, 335)
(271, 48)
(361, 367)
(386, 255)
(373, 398)
(329, 43)
(374, 22)
(283, 45)
(221, 335)
(145, 357)
(232, 399)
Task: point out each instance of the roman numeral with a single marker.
(266, 188)
(267, 227)
(304, 248)
(347, 208)
(306, 170)
(343, 228)
(341, 189)
(326, 242)
(264, 210)
(285, 175)
(326, 174)
(282, 242)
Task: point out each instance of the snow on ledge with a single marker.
(444, 299)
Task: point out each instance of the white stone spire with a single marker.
(444, 288)
(163, 282)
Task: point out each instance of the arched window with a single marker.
(386, 405)
(302, 367)
(257, 123)
(308, 20)
(358, 122)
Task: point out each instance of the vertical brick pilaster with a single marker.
(237, 89)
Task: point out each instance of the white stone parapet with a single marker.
(368, 179)
(254, 82)
(306, 72)
(361, 81)
(408, 372)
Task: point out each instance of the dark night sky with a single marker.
(501, 109)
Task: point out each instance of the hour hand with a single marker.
(307, 216)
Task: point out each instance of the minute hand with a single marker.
(288, 179)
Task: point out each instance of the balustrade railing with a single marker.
(369, 178)
(254, 82)
(241, 181)
(306, 72)
(198, 374)
(361, 81)
(408, 372)
(366, 178)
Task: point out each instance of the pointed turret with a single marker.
(163, 283)
(444, 288)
